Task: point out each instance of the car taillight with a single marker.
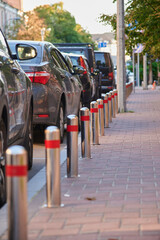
(91, 69)
(39, 77)
(110, 76)
(83, 64)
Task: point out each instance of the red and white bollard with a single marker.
(85, 133)
(52, 146)
(101, 116)
(113, 105)
(116, 99)
(106, 115)
(16, 174)
(72, 146)
(110, 106)
(94, 123)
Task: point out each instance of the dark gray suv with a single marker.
(105, 65)
(16, 107)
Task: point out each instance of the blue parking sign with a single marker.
(99, 45)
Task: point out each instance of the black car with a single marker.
(57, 90)
(16, 108)
(87, 50)
(105, 65)
(87, 80)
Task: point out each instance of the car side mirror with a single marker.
(95, 72)
(25, 52)
(78, 70)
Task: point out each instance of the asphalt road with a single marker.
(39, 151)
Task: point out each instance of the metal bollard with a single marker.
(85, 133)
(110, 107)
(16, 174)
(113, 105)
(52, 146)
(106, 115)
(101, 117)
(116, 100)
(94, 123)
(72, 146)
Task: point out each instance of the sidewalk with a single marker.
(117, 196)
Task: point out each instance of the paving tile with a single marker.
(117, 196)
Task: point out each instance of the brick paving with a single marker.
(117, 196)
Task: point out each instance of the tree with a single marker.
(142, 25)
(57, 25)
(31, 30)
(62, 24)
(27, 28)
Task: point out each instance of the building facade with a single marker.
(106, 42)
(9, 12)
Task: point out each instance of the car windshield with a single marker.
(36, 60)
(102, 59)
(79, 51)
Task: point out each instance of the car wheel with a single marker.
(60, 122)
(28, 144)
(3, 146)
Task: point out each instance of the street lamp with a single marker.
(43, 30)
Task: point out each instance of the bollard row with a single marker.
(93, 123)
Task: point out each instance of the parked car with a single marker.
(16, 107)
(57, 90)
(105, 65)
(89, 85)
(87, 50)
(129, 76)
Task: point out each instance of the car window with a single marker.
(3, 45)
(45, 56)
(55, 58)
(68, 60)
(75, 60)
(80, 51)
(63, 64)
(102, 60)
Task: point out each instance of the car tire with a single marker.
(2, 168)
(28, 143)
(60, 121)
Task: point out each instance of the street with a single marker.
(39, 151)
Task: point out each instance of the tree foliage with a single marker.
(142, 18)
(28, 28)
(62, 24)
(57, 25)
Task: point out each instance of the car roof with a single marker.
(96, 51)
(40, 43)
(74, 55)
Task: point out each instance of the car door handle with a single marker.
(72, 79)
(15, 70)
